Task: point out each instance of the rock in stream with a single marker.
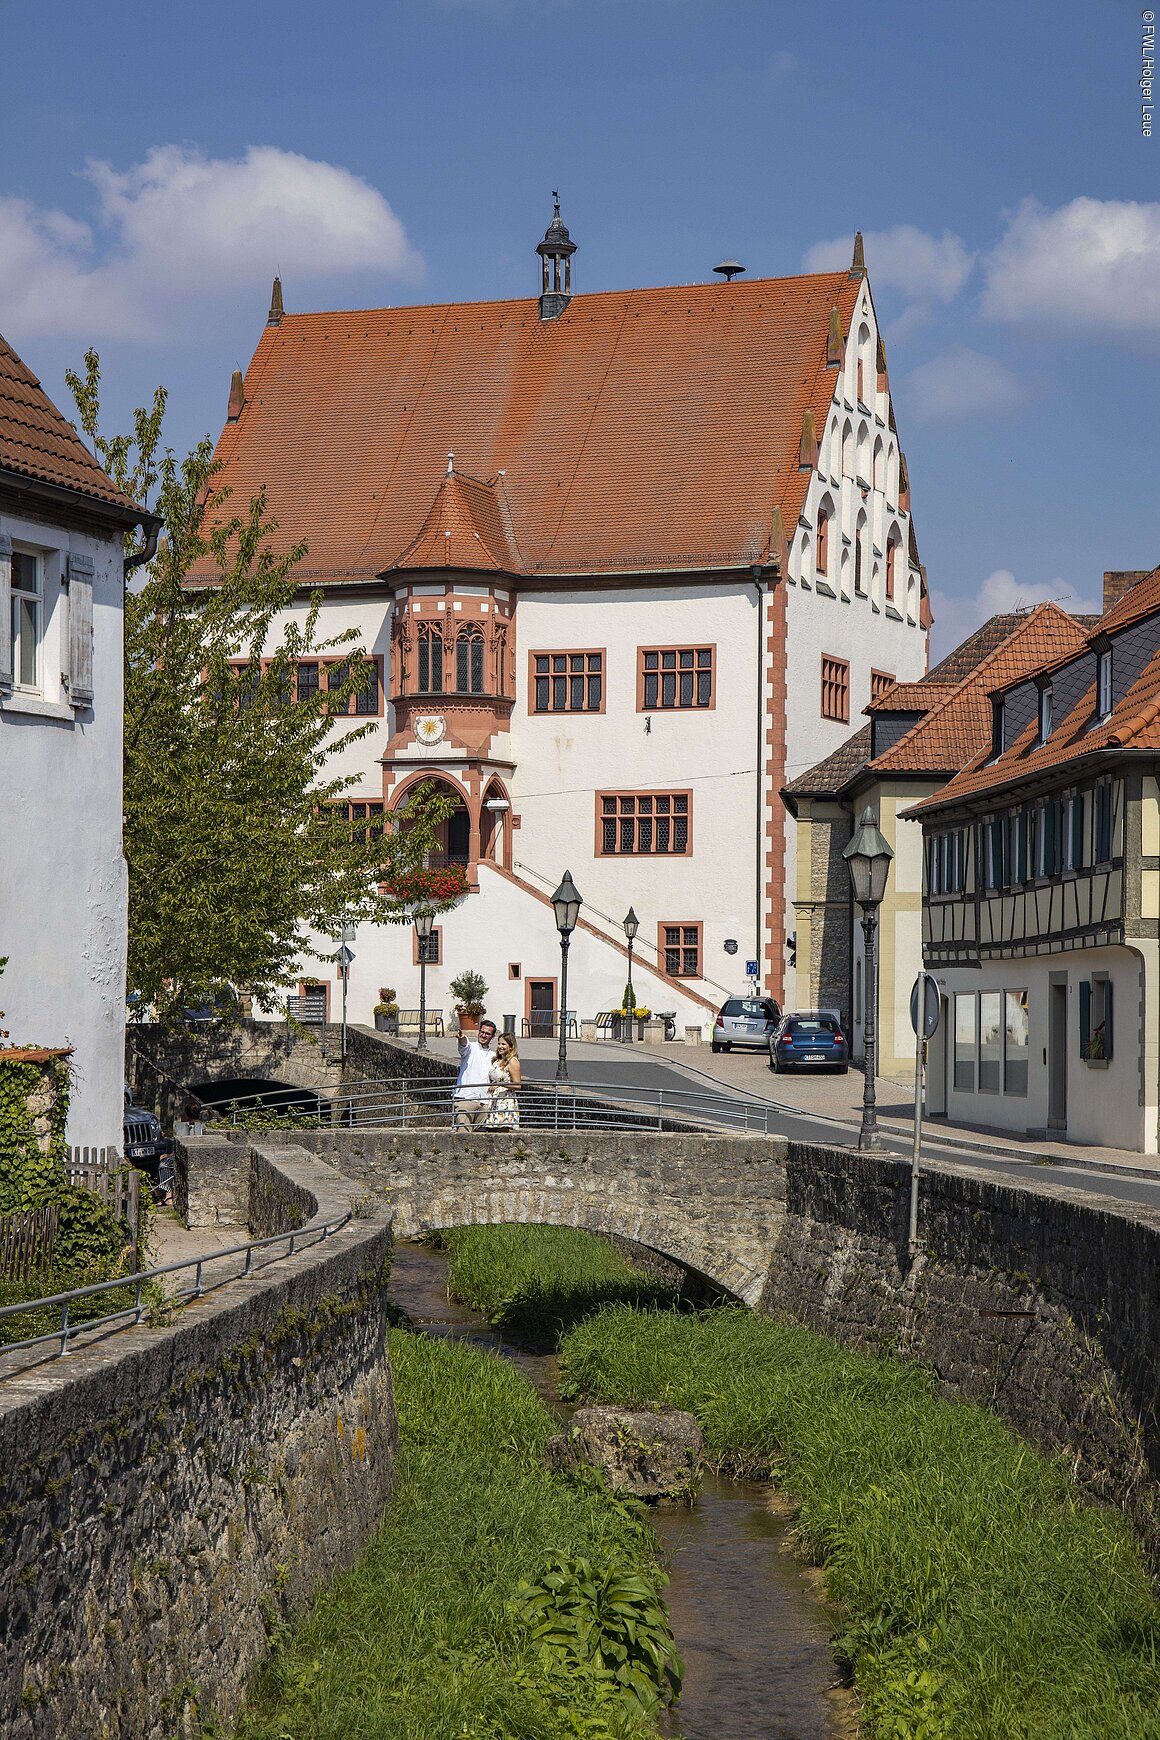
(651, 1455)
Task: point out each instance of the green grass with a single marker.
(420, 1641)
(538, 1281)
(985, 1599)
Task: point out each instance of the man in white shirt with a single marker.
(472, 1098)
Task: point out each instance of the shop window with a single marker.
(990, 1037)
(966, 1043)
(1016, 1044)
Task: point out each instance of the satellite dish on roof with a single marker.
(729, 269)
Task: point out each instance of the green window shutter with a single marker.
(1085, 1016)
(6, 671)
(1108, 1018)
(80, 630)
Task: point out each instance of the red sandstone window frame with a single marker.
(835, 689)
(703, 662)
(324, 666)
(627, 813)
(569, 676)
(880, 683)
(683, 948)
(434, 943)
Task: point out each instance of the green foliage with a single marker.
(424, 1640)
(985, 1598)
(236, 832)
(604, 1628)
(469, 991)
(88, 1235)
(92, 1245)
(536, 1281)
(29, 1175)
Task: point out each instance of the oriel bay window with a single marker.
(469, 660)
(430, 658)
(642, 823)
(567, 682)
(675, 677)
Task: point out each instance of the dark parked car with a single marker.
(810, 1039)
(745, 1021)
(145, 1146)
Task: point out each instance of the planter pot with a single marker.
(387, 1024)
(467, 1023)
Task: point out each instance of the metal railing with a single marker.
(407, 1104)
(301, 1238)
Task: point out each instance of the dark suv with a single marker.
(145, 1146)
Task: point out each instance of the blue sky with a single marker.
(158, 165)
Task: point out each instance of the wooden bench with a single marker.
(434, 1019)
(606, 1024)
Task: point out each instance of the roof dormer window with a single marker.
(1044, 712)
(1104, 682)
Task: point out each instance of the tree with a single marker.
(237, 833)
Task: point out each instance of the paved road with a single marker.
(643, 1072)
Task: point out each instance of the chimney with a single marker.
(1117, 582)
(237, 397)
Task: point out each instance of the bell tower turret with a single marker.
(555, 253)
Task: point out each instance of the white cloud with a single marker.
(179, 230)
(956, 618)
(959, 383)
(1091, 264)
(929, 268)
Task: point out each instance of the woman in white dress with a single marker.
(504, 1076)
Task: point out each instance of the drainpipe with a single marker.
(152, 529)
(765, 576)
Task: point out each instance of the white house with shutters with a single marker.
(63, 887)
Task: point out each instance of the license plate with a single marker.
(754, 1027)
(815, 1057)
(134, 1153)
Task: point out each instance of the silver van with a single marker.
(745, 1022)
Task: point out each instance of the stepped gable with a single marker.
(638, 430)
(464, 529)
(37, 442)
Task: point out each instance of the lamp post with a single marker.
(631, 926)
(345, 961)
(423, 922)
(868, 860)
(566, 904)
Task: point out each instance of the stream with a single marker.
(754, 1637)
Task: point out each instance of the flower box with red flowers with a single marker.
(429, 887)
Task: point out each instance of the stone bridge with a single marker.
(1040, 1302)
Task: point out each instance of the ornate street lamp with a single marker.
(868, 860)
(631, 926)
(566, 904)
(423, 923)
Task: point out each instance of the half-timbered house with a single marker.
(1041, 909)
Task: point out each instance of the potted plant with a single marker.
(386, 1011)
(469, 991)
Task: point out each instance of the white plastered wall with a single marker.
(63, 885)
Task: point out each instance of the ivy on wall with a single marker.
(34, 1097)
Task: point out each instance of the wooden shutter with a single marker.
(6, 672)
(80, 630)
(1085, 1016)
(1107, 1018)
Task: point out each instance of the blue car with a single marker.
(810, 1039)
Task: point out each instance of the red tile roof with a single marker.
(958, 729)
(642, 429)
(464, 529)
(1134, 724)
(916, 697)
(37, 442)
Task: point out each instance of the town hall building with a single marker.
(625, 562)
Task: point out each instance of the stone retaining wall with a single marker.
(169, 1494)
(1043, 1304)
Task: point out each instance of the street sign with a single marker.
(345, 959)
(751, 969)
(932, 1005)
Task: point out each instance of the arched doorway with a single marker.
(453, 835)
(494, 829)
